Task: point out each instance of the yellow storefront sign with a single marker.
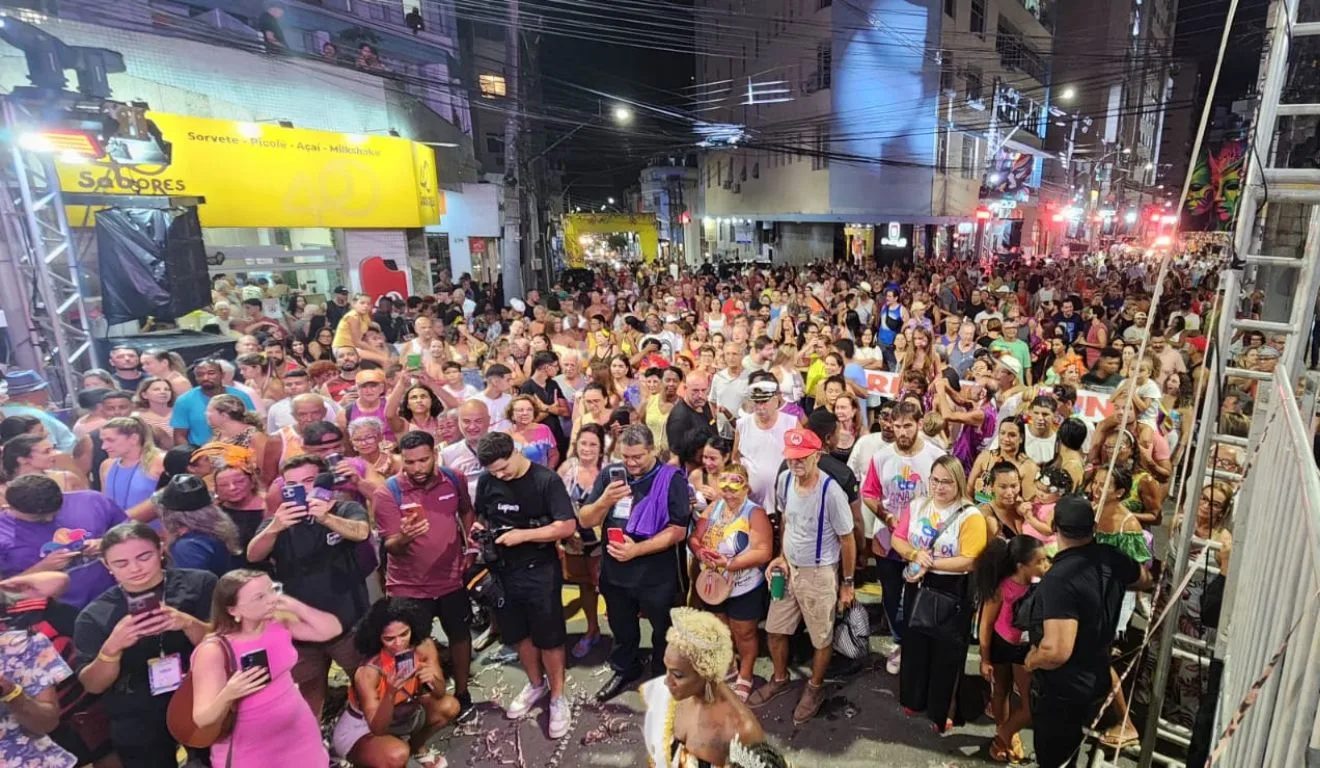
(265, 175)
(578, 224)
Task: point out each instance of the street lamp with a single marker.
(609, 200)
(1068, 94)
(623, 115)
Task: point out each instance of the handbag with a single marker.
(933, 610)
(714, 585)
(179, 716)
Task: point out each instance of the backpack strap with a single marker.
(392, 483)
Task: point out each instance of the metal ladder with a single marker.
(1266, 183)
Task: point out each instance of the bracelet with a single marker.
(13, 694)
(109, 658)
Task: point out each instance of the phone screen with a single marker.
(295, 493)
(405, 664)
(257, 658)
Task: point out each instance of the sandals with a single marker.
(1013, 753)
(1121, 739)
(742, 689)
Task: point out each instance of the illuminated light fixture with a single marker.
(1127, 150)
(1072, 212)
(249, 130)
(585, 240)
(965, 227)
(983, 214)
(65, 142)
(1155, 218)
(1163, 241)
(355, 139)
(73, 158)
(1130, 217)
(1170, 219)
(1058, 217)
(1150, 166)
(1109, 213)
(623, 114)
(993, 178)
(707, 220)
(1068, 93)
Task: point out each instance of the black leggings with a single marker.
(890, 573)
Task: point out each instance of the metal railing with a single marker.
(1272, 601)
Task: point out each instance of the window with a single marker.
(655, 200)
(978, 17)
(742, 171)
(824, 64)
(969, 157)
(946, 72)
(495, 144)
(1015, 55)
(492, 85)
(951, 8)
(820, 158)
(972, 80)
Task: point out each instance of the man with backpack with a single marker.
(425, 513)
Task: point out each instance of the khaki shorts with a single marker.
(811, 595)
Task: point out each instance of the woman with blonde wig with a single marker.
(692, 716)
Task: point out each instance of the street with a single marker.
(861, 723)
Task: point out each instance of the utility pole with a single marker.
(514, 194)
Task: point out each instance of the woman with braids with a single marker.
(234, 424)
(129, 476)
(1003, 573)
(398, 695)
(692, 716)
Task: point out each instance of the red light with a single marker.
(982, 214)
(1155, 218)
(1058, 217)
(684, 218)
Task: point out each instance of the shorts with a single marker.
(1004, 652)
(351, 727)
(454, 611)
(745, 607)
(314, 660)
(533, 605)
(811, 594)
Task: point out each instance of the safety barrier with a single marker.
(1267, 713)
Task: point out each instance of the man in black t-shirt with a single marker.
(314, 548)
(1073, 618)
(643, 507)
(551, 403)
(693, 411)
(527, 506)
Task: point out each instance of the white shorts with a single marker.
(348, 731)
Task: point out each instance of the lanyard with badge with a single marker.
(165, 670)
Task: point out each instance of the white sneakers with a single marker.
(561, 717)
(561, 712)
(895, 661)
(526, 699)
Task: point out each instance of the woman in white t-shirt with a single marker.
(940, 536)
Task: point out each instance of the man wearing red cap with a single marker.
(818, 535)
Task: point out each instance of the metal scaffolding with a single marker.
(47, 298)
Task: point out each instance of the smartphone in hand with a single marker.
(139, 605)
(257, 658)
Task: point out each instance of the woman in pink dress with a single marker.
(273, 725)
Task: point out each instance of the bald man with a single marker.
(473, 422)
(692, 412)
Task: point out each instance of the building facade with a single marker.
(670, 192)
(830, 119)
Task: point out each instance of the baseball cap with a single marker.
(1013, 365)
(369, 376)
(340, 289)
(800, 443)
(1074, 517)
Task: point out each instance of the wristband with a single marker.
(109, 658)
(13, 694)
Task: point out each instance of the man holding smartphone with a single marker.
(425, 513)
(312, 540)
(643, 506)
(527, 506)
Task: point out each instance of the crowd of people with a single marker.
(716, 455)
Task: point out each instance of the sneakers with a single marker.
(526, 699)
(809, 704)
(895, 661)
(466, 712)
(561, 717)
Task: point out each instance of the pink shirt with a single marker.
(1009, 592)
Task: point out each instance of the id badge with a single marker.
(165, 673)
(623, 508)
